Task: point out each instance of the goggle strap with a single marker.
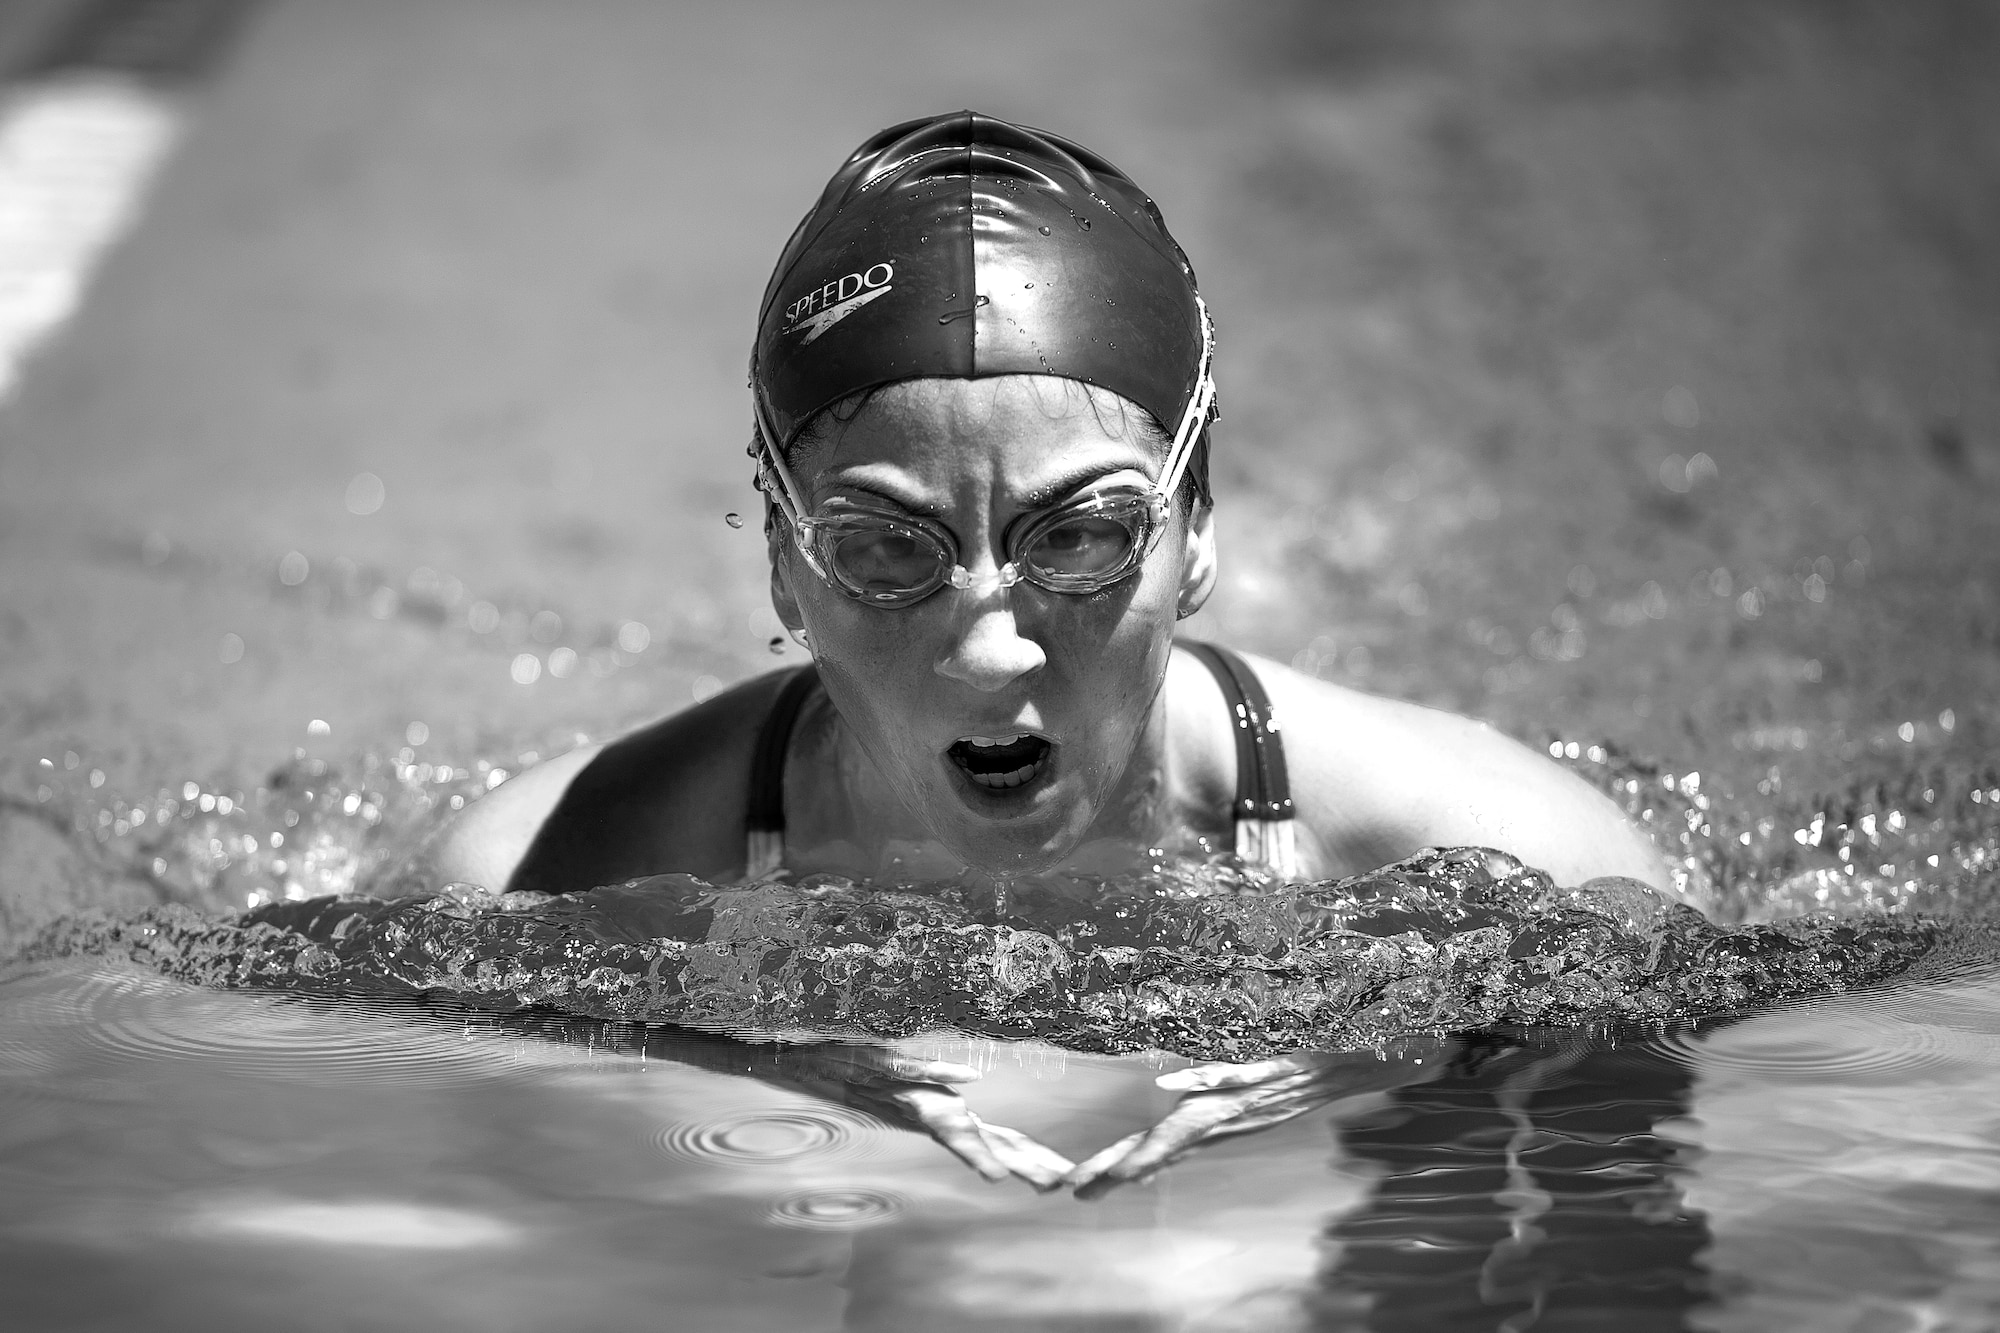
(1196, 415)
(787, 496)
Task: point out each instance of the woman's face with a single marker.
(1002, 719)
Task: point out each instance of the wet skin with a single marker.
(1082, 673)
(1140, 747)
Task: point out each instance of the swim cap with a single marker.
(960, 245)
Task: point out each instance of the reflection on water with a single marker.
(1539, 1181)
(1528, 1187)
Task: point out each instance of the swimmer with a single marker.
(982, 389)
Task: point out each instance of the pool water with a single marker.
(1625, 376)
(201, 1159)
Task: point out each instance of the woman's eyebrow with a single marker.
(1069, 483)
(880, 492)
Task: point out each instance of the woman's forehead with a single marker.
(1026, 433)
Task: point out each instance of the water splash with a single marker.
(1441, 942)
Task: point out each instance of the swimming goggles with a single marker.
(889, 558)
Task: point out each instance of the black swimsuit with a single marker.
(1262, 811)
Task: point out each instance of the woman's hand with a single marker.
(1219, 1101)
(917, 1094)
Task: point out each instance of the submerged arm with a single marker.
(903, 1090)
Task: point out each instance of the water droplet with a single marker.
(950, 315)
(365, 494)
(1083, 223)
(1027, 284)
(777, 644)
(734, 520)
(1045, 231)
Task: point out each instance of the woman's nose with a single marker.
(987, 651)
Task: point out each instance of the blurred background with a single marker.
(1622, 372)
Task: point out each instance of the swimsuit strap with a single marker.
(1263, 810)
(765, 824)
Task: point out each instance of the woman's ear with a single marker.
(1198, 561)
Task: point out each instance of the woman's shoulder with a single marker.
(671, 794)
(1377, 778)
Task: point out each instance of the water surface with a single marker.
(1625, 376)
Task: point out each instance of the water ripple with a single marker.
(1855, 1047)
(844, 1209)
(136, 1017)
(769, 1137)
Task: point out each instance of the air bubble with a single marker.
(777, 643)
(733, 519)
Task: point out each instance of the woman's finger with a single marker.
(1183, 1127)
(1198, 1118)
(1095, 1165)
(1035, 1162)
(948, 1120)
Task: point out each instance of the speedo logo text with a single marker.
(826, 305)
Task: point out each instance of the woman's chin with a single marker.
(1021, 839)
(1021, 829)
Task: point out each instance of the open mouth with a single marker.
(1000, 763)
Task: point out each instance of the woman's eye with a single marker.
(885, 559)
(1081, 546)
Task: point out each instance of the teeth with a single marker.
(1004, 780)
(994, 742)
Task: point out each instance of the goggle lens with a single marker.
(1089, 545)
(887, 560)
(881, 560)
